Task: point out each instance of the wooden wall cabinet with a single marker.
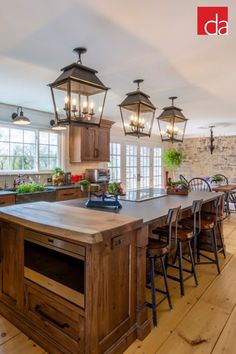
(90, 144)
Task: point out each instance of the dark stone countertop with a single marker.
(151, 210)
(3, 192)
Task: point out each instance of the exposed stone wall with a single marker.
(198, 161)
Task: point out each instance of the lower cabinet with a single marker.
(7, 199)
(59, 319)
(69, 193)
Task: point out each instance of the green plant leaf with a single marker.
(172, 159)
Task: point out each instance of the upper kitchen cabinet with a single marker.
(90, 144)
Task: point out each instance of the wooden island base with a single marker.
(73, 284)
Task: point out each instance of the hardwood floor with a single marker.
(201, 322)
(204, 320)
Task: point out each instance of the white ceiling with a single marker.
(153, 39)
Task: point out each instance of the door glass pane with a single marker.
(157, 167)
(131, 167)
(144, 167)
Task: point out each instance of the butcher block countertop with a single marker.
(69, 222)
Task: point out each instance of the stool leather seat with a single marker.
(156, 248)
(206, 224)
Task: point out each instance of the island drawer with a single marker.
(7, 200)
(60, 320)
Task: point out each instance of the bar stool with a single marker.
(158, 249)
(210, 222)
(185, 236)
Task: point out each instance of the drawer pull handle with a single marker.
(3, 202)
(50, 240)
(65, 194)
(49, 319)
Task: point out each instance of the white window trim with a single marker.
(37, 129)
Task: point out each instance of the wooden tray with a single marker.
(171, 191)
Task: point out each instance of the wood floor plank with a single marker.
(198, 332)
(7, 330)
(20, 344)
(227, 343)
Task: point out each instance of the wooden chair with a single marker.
(224, 178)
(210, 222)
(158, 249)
(198, 184)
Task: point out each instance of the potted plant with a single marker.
(172, 160)
(115, 188)
(84, 185)
(178, 187)
(216, 179)
(58, 177)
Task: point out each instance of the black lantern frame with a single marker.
(137, 113)
(172, 123)
(82, 88)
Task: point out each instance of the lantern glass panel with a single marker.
(137, 119)
(172, 129)
(79, 102)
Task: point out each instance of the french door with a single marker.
(137, 167)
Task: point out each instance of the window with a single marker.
(48, 150)
(131, 166)
(157, 167)
(28, 149)
(144, 167)
(114, 165)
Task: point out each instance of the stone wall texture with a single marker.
(198, 161)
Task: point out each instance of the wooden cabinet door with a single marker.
(103, 144)
(12, 265)
(88, 144)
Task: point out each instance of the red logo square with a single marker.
(212, 21)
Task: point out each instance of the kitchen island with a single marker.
(76, 283)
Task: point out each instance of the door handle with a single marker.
(49, 319)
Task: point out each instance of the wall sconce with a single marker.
(212, 146)
(19, 118)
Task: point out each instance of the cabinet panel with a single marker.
(55, 318)
(90, 144)
(103, 145)
(69, 193)
(7, 200)
(11, 245)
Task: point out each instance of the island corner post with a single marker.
(109, 312)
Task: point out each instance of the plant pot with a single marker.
(58, 179)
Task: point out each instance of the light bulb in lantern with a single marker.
(85, 105)
(66, 107)
(74, 105)
(91, 108)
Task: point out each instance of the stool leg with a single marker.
(152, 273)
(193, 263)
(198, 247)
(214, 248)
(165, 281)
(221, 240)
(181, 278)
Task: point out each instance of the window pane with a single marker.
(115, 162)
(16, 135)
(48, 150)
(43, 138)
(29, 136)
(4, 134)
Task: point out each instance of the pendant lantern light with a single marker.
(172, 123)
(137, 113)
(78, 95)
